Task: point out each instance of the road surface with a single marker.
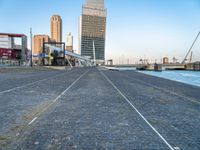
(95, 108)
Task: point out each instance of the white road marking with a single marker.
(164, 140)
(177, 148)
(164, 90)
(32, 83)
(59, 96)
(32, 121)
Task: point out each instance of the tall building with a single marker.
(69, 42)
(38, 41)
(92, 30)
(56, 28)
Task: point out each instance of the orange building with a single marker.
(56, 28)
(38, 41)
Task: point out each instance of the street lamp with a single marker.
(31, 47)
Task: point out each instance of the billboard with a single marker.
(8, 53)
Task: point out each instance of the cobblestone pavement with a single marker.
(180, 88)
(17, 107)
(93, 108)
(168, 106)
(11, 80)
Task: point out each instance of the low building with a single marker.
(110, 62)
(13, 49)
(38, 41)
(196, 66)
(165, 60)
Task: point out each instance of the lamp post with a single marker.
(31, 47)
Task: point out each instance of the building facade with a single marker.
(69, 42)
(13, 49)
(56, 28)
(38, 41)
(165, 60)
(92, 30)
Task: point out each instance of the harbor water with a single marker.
(188, 77)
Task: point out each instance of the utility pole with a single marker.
(94, 53)
(31, 47)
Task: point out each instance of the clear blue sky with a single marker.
(135, 28)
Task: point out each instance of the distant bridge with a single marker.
(176, 66)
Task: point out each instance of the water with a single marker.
(122, 68)
(188, 77)
(127, 68)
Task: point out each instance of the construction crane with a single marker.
(190, 50)
(191, 56)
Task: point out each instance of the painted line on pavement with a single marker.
(32, 83)
(164, 90)
(128, 101)
(59, 96)
(32, 121)
(70, 86)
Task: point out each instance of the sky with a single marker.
(136, 29)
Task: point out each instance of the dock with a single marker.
(97, 108)
(195, 66)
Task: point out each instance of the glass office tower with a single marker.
(92, 30)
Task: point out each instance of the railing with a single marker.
(7, 62)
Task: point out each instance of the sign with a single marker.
(8, 53)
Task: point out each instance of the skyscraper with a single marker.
(56, 28)
(92, 30)
(69, 42)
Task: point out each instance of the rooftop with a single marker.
(12, 34)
